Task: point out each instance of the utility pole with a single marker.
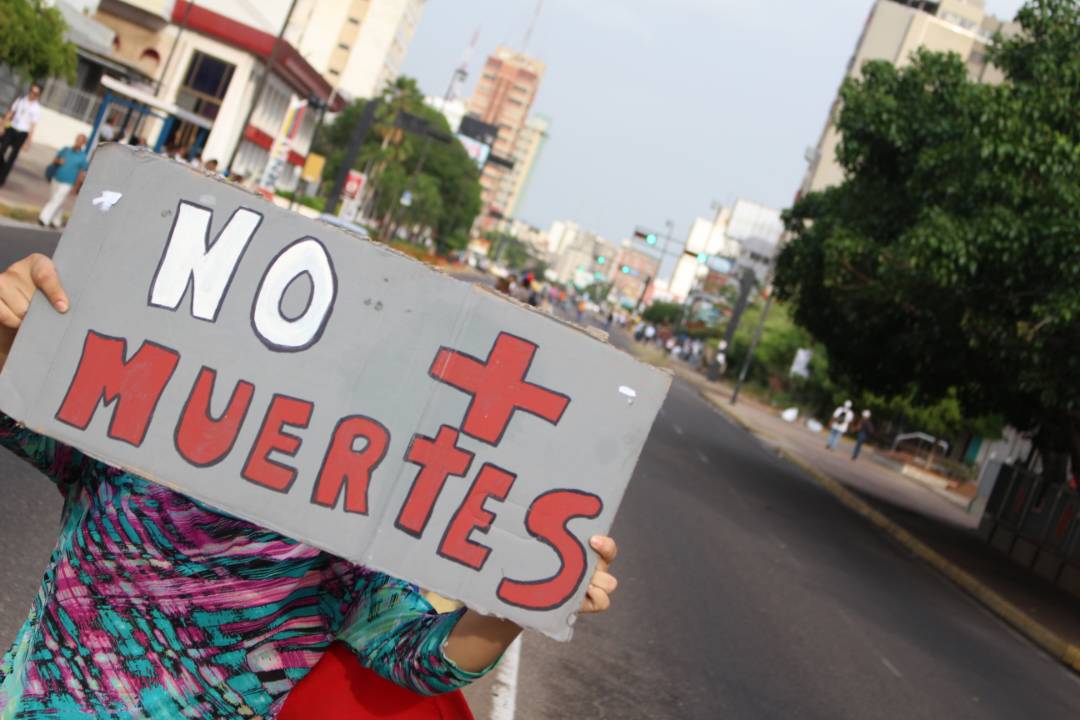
(753, 346)
(267, 70)
(356, 141)
(532, 26)
(746, 286)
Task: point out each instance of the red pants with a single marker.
(339, 687)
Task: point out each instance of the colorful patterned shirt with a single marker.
(154, 605)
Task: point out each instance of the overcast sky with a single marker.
(661, 107)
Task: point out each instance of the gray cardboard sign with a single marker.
(331, 389)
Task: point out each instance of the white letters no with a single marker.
(305, 256)
(189, 258)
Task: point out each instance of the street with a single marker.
(745, 591)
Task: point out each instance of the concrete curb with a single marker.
(1059, 648)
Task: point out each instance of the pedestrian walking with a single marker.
(841, 419)
(154, 605)
(65, 175)
(20, 120)
(863, 430)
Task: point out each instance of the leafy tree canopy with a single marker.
(32, 42)
(446, 193)
(949, 258)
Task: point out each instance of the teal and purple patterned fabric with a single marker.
(154, 605)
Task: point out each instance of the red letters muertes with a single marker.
(129, 383)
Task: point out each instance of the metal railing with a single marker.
(78, 104)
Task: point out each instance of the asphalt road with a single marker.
(746, 592)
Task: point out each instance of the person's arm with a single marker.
(395, 631)
(478, 641)
(78, 182)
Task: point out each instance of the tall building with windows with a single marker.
(504, 97)
(894, 30)
(358, 45)
(530, 142)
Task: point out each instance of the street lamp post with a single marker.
(753, 346)
(267, 70)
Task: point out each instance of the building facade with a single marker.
(504, 97)
(210, 65)
(634, 276)
(894, 30)
(358, 46)
(526, 153)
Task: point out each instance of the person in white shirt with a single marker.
(20, 121)
(841, 419)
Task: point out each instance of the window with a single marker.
(208, 77)
(150, 56)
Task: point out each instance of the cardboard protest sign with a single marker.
(330, 389)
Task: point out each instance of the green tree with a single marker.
(32, 42)
(948, 261)
(446, 193)
(663, 313)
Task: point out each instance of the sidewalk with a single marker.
(932, 517)
(26, 186)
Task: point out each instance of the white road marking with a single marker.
(892, 668)
(678, 430)
(703, 457)
(504, 692)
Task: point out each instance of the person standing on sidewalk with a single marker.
(841, 419)
(863, 430)
(70, 169)
(20, 121)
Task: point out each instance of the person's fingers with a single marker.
(8, 318)
(596, 600)
(605, 547)
(45, 277)
(604, 581)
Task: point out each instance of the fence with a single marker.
(1037, 524)
(78, 104)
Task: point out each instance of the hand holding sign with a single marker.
(17, 286)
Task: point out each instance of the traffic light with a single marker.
(601, 260)
(702, 258)
(650, 238)
(626, 269)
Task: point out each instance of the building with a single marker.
(633, 276)
(373, 37)
(706, 244)
(527, 149)
(577, 256)
(894, 30)
(209, 64)
(453, 110)
(358, 46)
(504, 97)
(755, 232)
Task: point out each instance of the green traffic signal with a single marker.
(626, 269)
(651, 238)
(702, 258)
(601, 260)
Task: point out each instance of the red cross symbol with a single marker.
(498, 387)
